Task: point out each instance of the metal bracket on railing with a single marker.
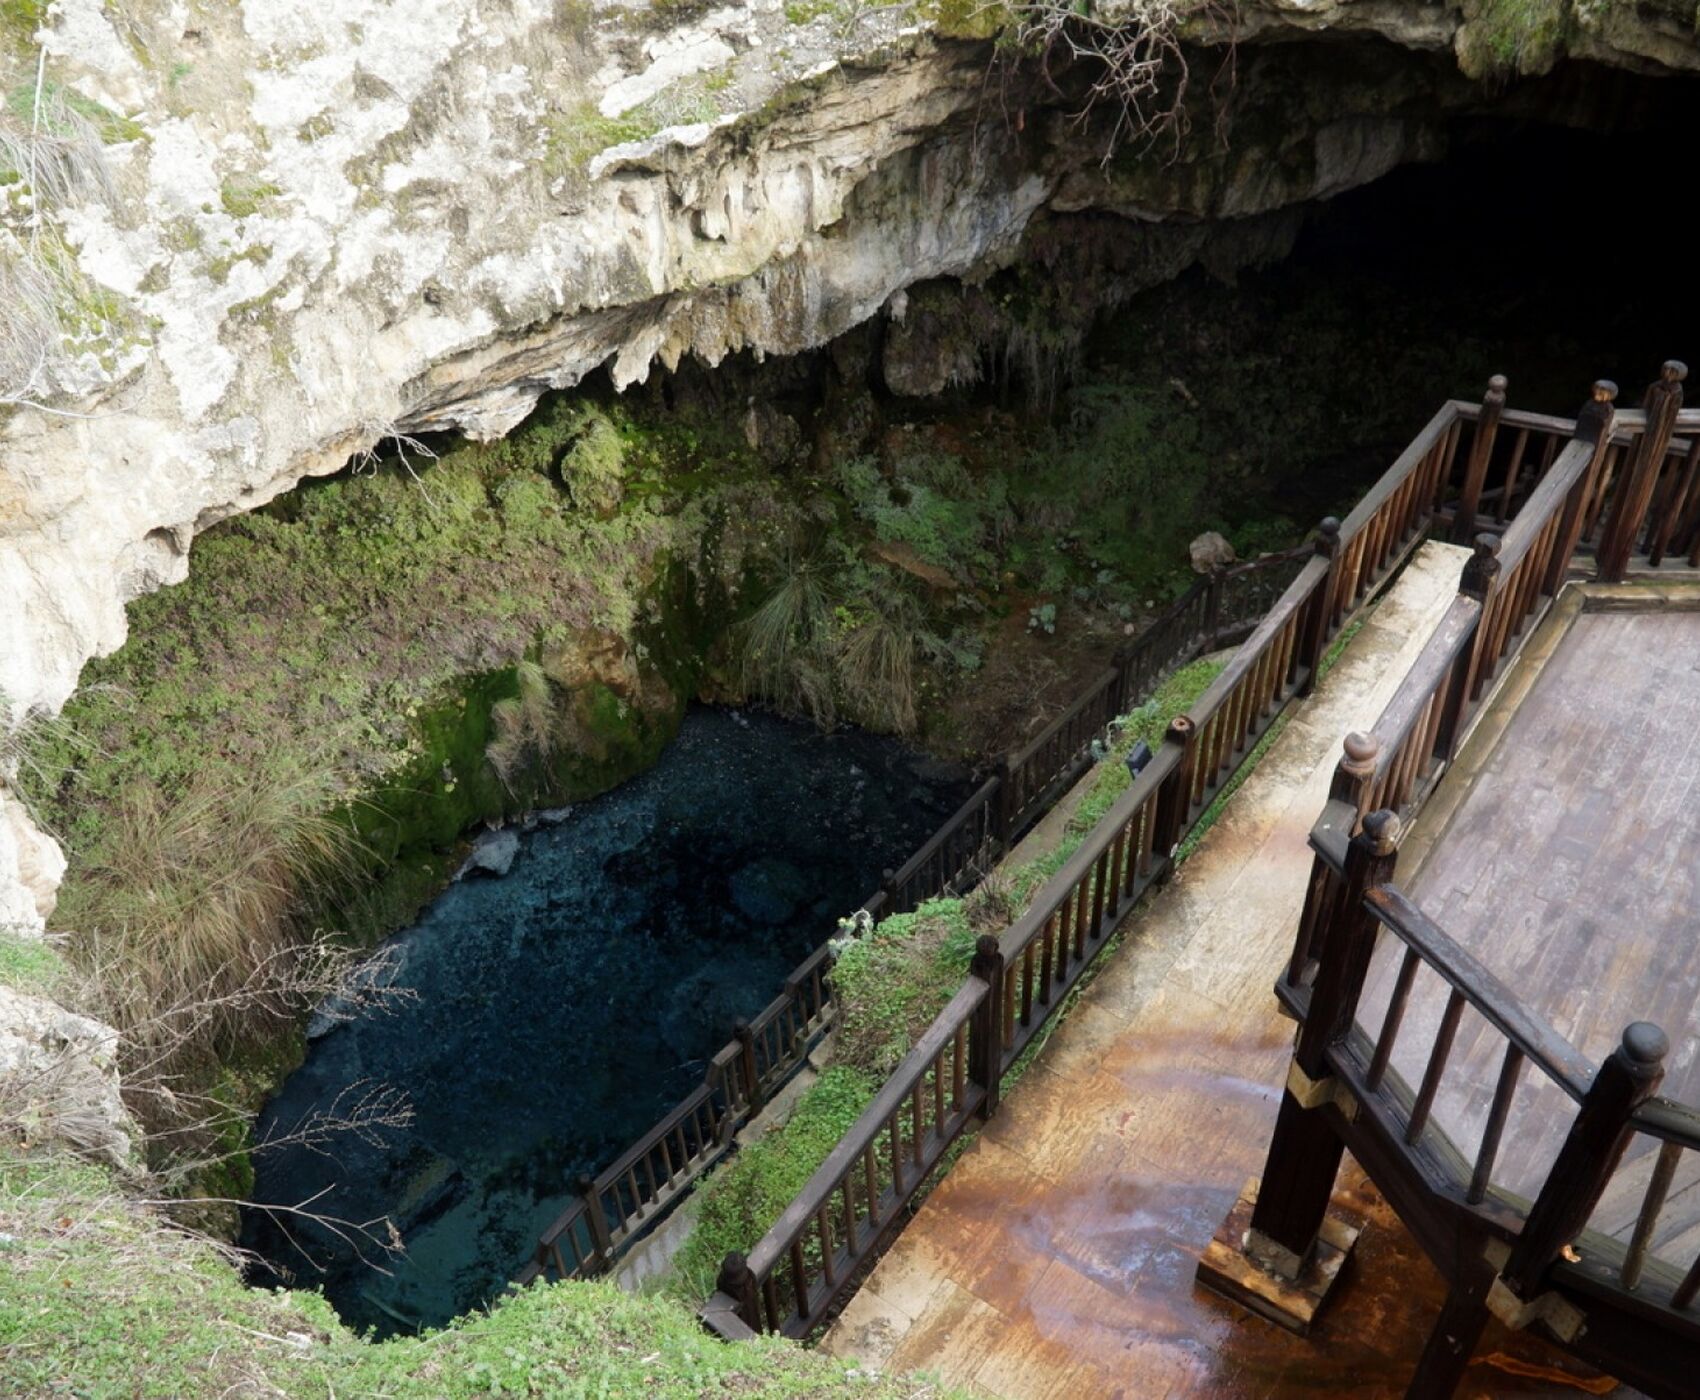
(1314, 1093)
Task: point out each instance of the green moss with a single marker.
(1148, 724)
(891, 983)
(579, 133)
(315, 128)
(220, 268)
(806, 11)
(108, 125)
(967, 19)
(30, 964)
(593, 469)
(740, 1202)
(1504, 37)
(242, 195)
(19, 19)
(99, 1299)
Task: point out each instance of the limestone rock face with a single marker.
(58, 1081)
(321, 226)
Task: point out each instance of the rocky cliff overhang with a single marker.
(319, 227)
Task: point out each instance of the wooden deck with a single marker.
(1563, 850)
(1057, 1257)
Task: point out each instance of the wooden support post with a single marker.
(1121, 702)
(1629, 511)
(1354, 774)
(746, 1039)
(738, 1282)
(1304, 1154)
(1481, 451)
(1174, 798)
(1345, 955)
(1290, 1252)
(1479, 579)
(1320, 616)
(985, 1036)
(1446, 1354)
(601, 1242)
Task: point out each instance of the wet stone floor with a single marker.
(559, 1010)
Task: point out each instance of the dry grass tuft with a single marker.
(527, 728)
(193, 923)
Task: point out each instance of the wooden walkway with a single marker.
(1563, 850)
(1057, 1257)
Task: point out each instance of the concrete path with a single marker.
(1057, 1257)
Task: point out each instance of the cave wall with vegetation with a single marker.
(648, 354)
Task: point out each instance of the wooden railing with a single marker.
(617, 1206)
(1219, 608)
(1525, 1251)
(1502, 1245)
(793, 1276)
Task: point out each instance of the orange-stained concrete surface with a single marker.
(1057, 1257)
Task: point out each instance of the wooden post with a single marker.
(1590, 1154)
(1314, 644)
(1353, 779)
(1174, 798)
(1446, 1353)
(1481, 450)
(601, 1243)
(1478, 581)
(1354, 774)
(985, 1036)
(1629, 512)
(1121, 701)
(1574, 1185)
(746, 1039)
(1594, 422)
(1213, 605)
(1006, 800)
(738, 1282)
(1304, 1154)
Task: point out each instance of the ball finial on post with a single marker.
(1645, 1043)
(1361, 749)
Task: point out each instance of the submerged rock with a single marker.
(492, 854)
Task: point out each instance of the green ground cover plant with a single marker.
(99, 1298)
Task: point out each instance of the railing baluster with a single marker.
(829, 1266)
(1494, 1129)
(1648, 1218)
(1390, 1023)
(1436, 1065)
(1690, 1285)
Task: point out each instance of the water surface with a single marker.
(561, 1009)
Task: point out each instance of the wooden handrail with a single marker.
(1544, 504)
(892, 1095)
(1449, 414)
(1015, 939)
(1557, 1058)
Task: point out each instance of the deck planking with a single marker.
(1570, 867)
